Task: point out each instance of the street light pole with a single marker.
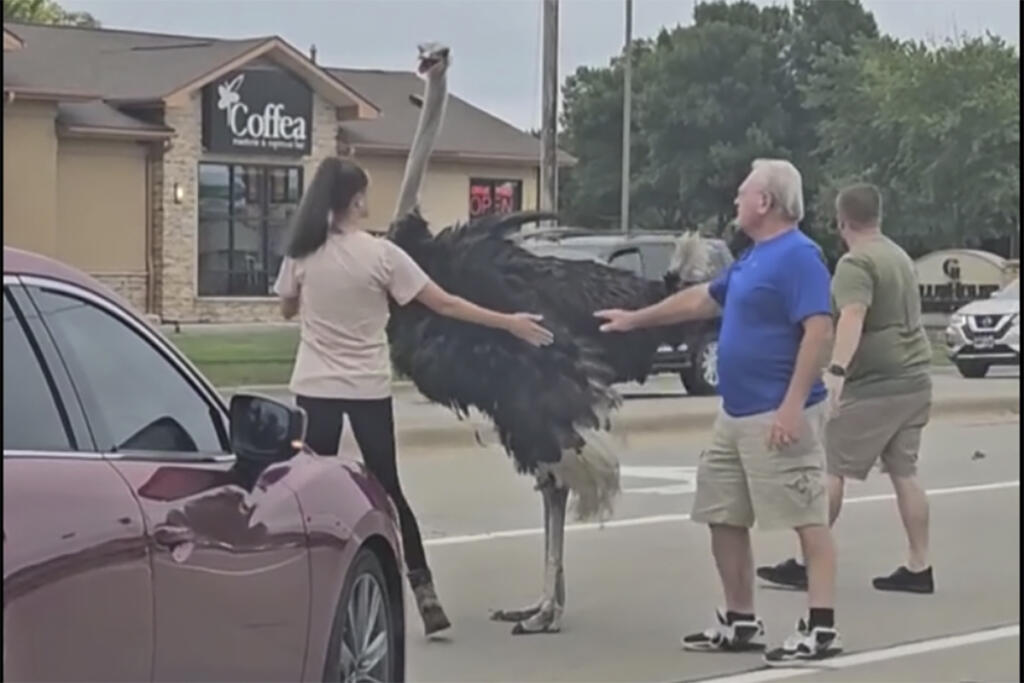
(549, 113)
(627, 106)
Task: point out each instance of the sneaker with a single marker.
(789, 573)
(738, 636)
(806, 644)
(905, 580)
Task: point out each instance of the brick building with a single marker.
(168, 166)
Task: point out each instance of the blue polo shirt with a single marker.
(765, 296)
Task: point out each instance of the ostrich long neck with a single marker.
(427, 129)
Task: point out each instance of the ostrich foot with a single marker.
(517, 615)
(548, 619)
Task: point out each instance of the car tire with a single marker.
(973, 369)
(701, 378)
(365, 604)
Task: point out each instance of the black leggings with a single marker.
(373, 424)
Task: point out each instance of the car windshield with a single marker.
(574, 252)
(1012, 291)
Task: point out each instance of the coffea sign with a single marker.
(258, 112)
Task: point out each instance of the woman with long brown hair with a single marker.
(338, 278)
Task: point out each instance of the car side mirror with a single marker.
(265, 431)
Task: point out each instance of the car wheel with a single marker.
(701, 378)
(973, 369)
(364, 644)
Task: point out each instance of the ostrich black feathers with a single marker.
(538, 398)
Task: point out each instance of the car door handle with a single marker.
(172, 536)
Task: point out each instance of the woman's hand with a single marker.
(526, 326)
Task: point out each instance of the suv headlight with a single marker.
(957, 319)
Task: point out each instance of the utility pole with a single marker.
(549, 115)
(627, 107)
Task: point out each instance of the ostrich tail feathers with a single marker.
(591, 473)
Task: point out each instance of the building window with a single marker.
(244, 212)
(488, 195)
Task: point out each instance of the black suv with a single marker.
(647, 254)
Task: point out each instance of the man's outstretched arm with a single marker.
(692, 303)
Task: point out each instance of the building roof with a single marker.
(102, 69)
(97, 116)
(467, 132)
(130, 66)
(115, 65)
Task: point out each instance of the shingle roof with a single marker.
(126, 66)
(98, 114)
(115, 65)
(467, 131)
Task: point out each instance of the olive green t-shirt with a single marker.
(894, 355)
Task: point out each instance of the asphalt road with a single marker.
(647, 578)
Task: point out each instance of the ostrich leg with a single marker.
(544, 485)
(548, 619)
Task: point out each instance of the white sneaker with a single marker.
(806, 644)
(738, 636)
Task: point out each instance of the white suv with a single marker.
(986, 332)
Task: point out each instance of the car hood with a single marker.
(991, 307)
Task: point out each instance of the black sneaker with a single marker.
(738, 636)
(907, 581)
(806, 645)
(789, 573)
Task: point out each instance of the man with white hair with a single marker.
(766, 461)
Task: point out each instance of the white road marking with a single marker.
(686, 475)
(662, 519)
(871, 656)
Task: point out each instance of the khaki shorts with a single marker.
(886, 428)
(740, 480)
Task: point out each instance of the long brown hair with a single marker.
(335, 184)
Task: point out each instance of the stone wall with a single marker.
(177, 223)
(130, 286)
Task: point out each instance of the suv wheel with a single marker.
(973, 369)
(701, 378)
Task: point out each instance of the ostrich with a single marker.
(551, 405)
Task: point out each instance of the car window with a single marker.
(32, 418)
(657, 258)
(629, 260)
(136, 400)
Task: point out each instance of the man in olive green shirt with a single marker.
(880, 389)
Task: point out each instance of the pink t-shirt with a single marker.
(343, 292)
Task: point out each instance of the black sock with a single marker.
(821, 616)
(731, 617)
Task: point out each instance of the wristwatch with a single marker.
(837, 370)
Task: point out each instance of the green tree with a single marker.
(45, 12)
(708, 98)
(938, 129)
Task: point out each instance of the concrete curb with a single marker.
(462, 434)
(401, 388)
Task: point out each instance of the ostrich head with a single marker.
(690, 261)
(434, 60)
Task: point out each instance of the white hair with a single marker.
(781, 181)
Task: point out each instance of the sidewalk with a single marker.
(661, 407)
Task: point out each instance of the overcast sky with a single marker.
(495, 43)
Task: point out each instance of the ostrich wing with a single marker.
(538, 398)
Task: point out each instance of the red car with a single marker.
(152, 533)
